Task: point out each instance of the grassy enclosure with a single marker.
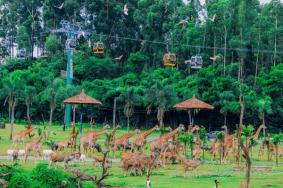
(168, 177)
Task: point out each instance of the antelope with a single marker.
(66, 158)
(193, 164)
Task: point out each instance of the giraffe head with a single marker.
(156, 127)
(181, 127)
(263, 126)
(197, 127)
(106, 126)
(118, 126)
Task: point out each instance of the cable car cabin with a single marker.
(169, 59)
(196, 62)
(98, 48)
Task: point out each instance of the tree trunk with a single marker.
(248, 174)
(50, 120)
(12, 119)
(225, 118)
(128, 123)
(275, 41)
(276, 154)
(214, 47)
(114, 113)
(257, 60)
(225, 46)
(28, 109)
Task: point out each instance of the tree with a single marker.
(160, 97)
(247, 132)
(220, 136)
(276, 139)
(12, 87)
(53, 93)
(129, 97)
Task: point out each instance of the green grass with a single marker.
(172, 175)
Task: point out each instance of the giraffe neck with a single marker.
(171, 134)
(257, 132)
(148, 132)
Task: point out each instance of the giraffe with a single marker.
(87, 141)
(162, 141)
(256, 134)
(123, 141)
(20, 137)
(140, 141)
(35, 145)
(73, 137)
(110, 139)
(228, 142)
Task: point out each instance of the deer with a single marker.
(66, 158)
(189, 164)
(63, 144)
(140, 141)
(99, 159)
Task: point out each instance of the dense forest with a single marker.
(239, 41)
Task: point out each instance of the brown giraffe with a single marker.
(160, 143)
(88, 140)
(73, 137)
(228, 143)
(256, 134)
(140, 141)
(35, 146)
(123, 141)
(20, 137)
(110, 139)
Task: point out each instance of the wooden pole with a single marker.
(114, 112)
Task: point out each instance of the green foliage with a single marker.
(23, 180)
(247, 130)
(220, 136)
(277, 138)
(51, 177)
(53, 45)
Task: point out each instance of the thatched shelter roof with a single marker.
(193, 103)
(82, 98)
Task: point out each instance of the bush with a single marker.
(52, 177)
(22, 180)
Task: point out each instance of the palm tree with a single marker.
(54, 91)
(12, 87)
(161, 97)
(129, 97)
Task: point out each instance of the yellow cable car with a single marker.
(98, 48)
(169, 59)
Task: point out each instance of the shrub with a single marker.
(52, 177)
(22, 180)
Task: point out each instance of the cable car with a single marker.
(169, 59)
(196, 62)
(98, 48)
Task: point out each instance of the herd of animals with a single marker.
(134, 157)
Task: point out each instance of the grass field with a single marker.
(172, 175)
